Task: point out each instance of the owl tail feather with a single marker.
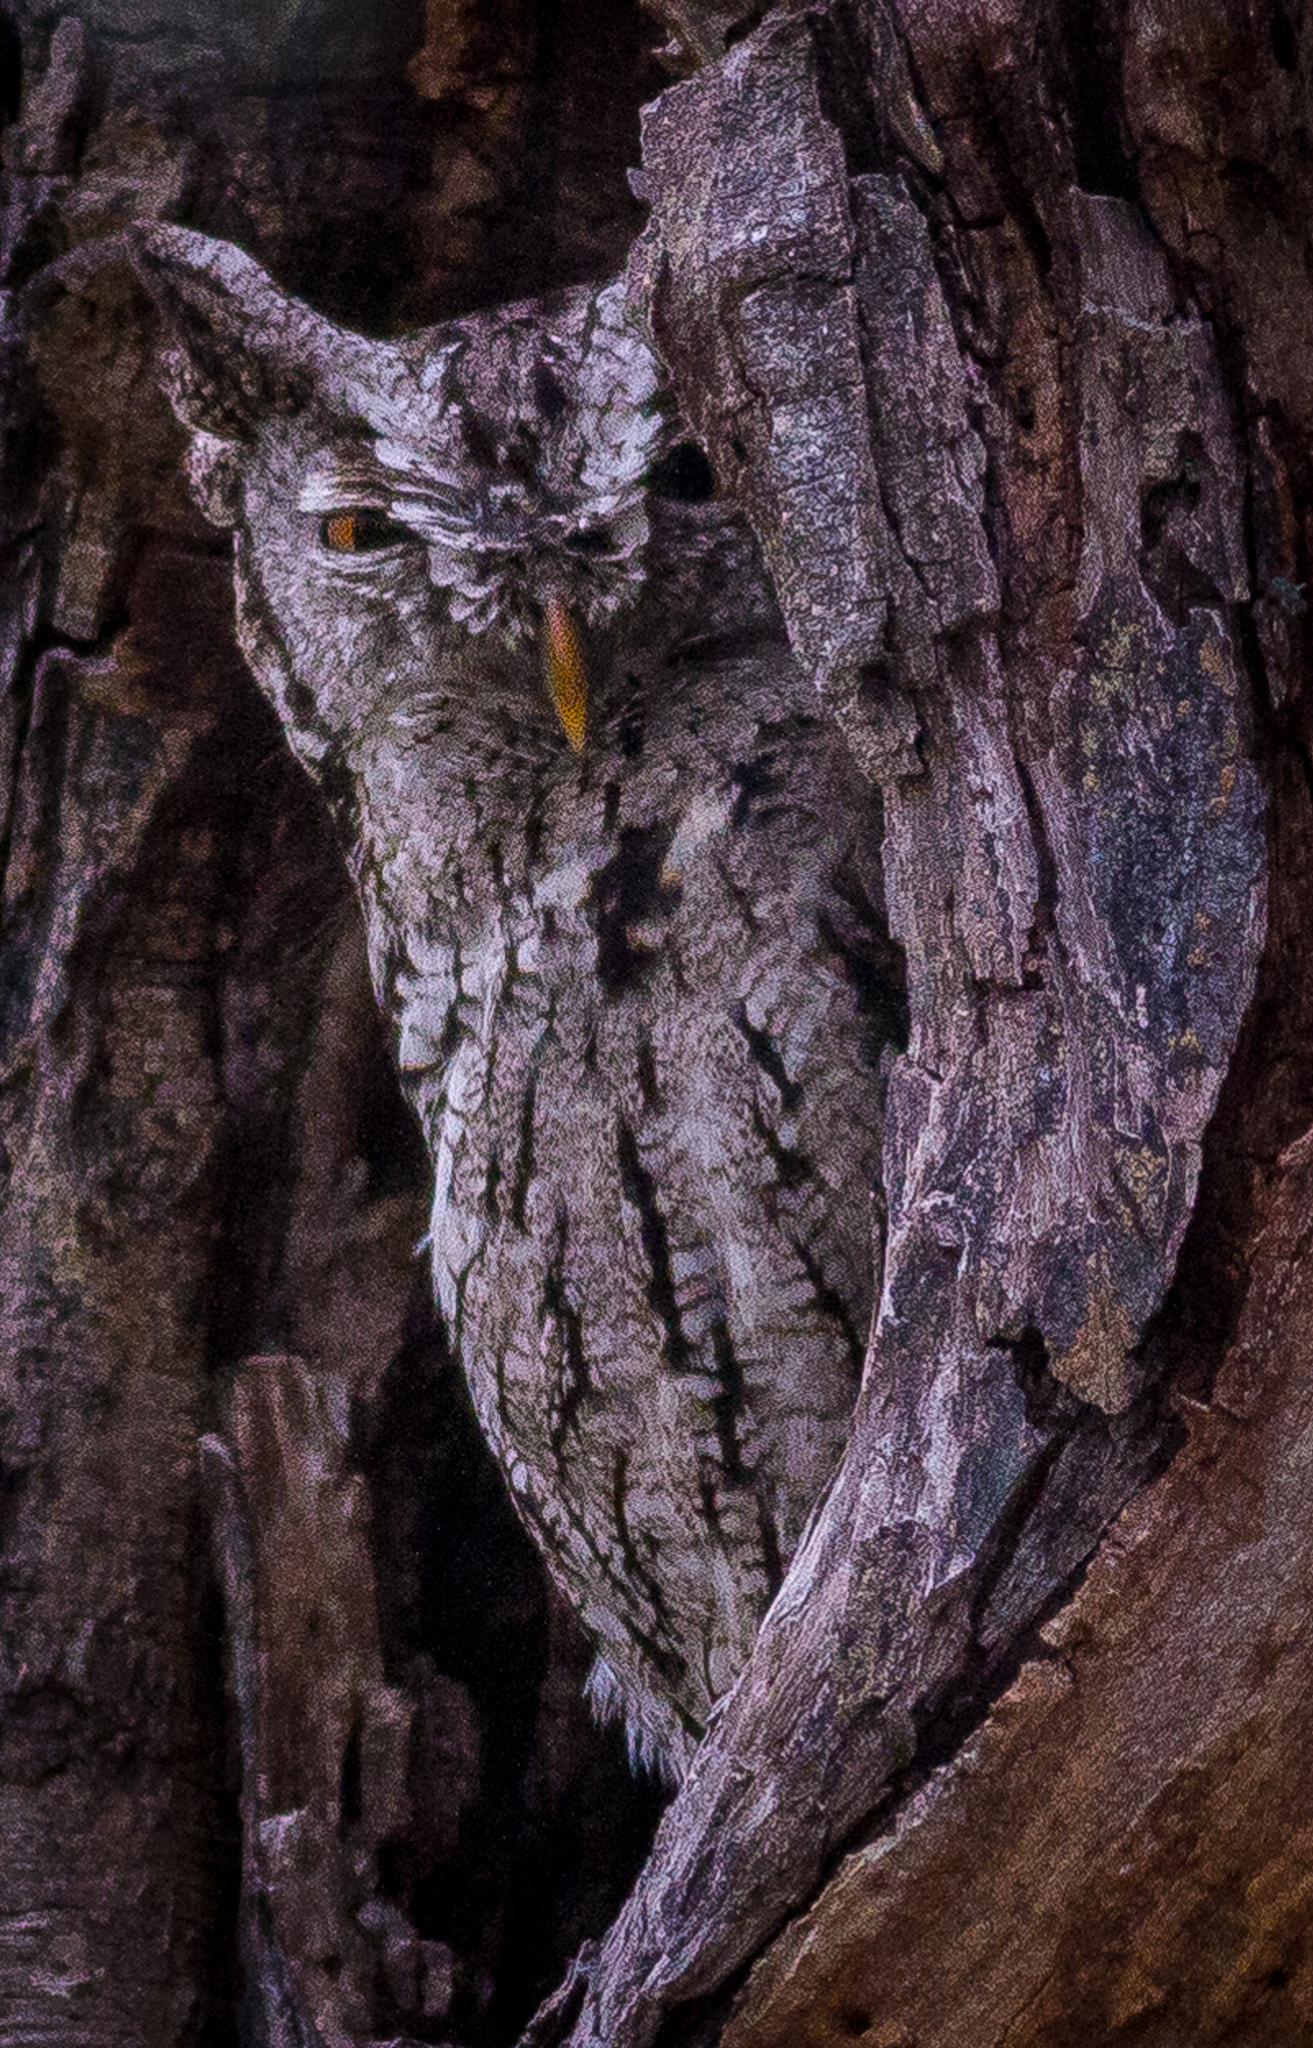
(656, 1742)
(566, 676)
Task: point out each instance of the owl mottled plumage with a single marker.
(641, 985)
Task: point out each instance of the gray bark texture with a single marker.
(992, 319)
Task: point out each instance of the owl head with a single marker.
(488, 476)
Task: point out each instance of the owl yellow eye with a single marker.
(356, 532)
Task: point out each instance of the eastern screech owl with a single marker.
(623, 894)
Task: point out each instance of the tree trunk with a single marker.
(993, 320)
(213, 1192)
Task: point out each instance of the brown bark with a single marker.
(1122, 1851)
(994, 320)
(212, 1194)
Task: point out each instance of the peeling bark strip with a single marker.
(324, 1740)
(1048, 686)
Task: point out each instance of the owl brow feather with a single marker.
(425, 503)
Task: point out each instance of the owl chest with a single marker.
(561, 1017)
(541, 1066)
(646, 1086)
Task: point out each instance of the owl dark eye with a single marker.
(684, 474)
(359, 531)
(594, 540)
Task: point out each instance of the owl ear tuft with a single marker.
(236, 349)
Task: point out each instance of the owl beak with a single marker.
(564, 672)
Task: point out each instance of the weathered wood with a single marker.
(1075, 862)
(1163, 1717)
(326, 1743)
(203, 1154)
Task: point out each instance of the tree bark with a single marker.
(992, 319)
(291, 1733)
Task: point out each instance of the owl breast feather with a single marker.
(655, 1143)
